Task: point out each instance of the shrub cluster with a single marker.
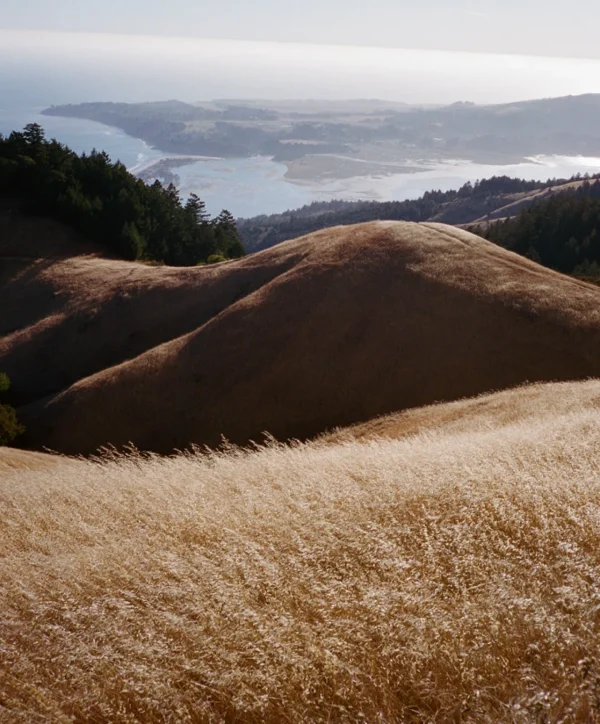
(10, 427)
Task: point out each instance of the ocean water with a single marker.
(58, 68)
(37, 70)
(81, 136)
(251, 186)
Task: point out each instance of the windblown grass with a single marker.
(444, 577)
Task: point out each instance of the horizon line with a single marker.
(279, 43)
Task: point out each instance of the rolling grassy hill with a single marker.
(484, 412)
(430, 563)
(331, 329)
(447, 574)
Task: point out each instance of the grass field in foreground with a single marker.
(446, 577)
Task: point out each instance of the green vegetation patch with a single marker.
(461, 206)
(561, 232)
(109, 205)
(10, 428)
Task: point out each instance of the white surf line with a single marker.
(145, 165)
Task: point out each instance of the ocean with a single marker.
(72, 69)
(80, 135)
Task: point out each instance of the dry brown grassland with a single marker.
(331, 329)
(449, 576)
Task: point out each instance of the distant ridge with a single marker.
(502, 133)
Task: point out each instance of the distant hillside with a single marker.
(373, 131)
(478, 203)
(559, 231)
(12, 459)
(327, 330)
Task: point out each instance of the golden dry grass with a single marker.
(13, 459)
(72, 312)
(485, 412)
(445, 577)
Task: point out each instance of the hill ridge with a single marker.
(44, 292)
(335, 328)
(471, 205)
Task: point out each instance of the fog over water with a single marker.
(38, 69)
(76, 67)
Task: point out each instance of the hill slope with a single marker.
(331, 329)
(449, 577)
(485, 412)
(73, 311)
(12, 459)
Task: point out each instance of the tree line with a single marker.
(459, 206)
(561, 232)
(112, 207)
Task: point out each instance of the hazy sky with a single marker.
(537, 27)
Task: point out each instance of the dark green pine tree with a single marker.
(228, 239)
(34, 134)
(196, 208)
(109, 205)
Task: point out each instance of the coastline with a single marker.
(261, 184)
(163, 168)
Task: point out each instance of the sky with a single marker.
(416, 51)
(532, 27)
(40, 68)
